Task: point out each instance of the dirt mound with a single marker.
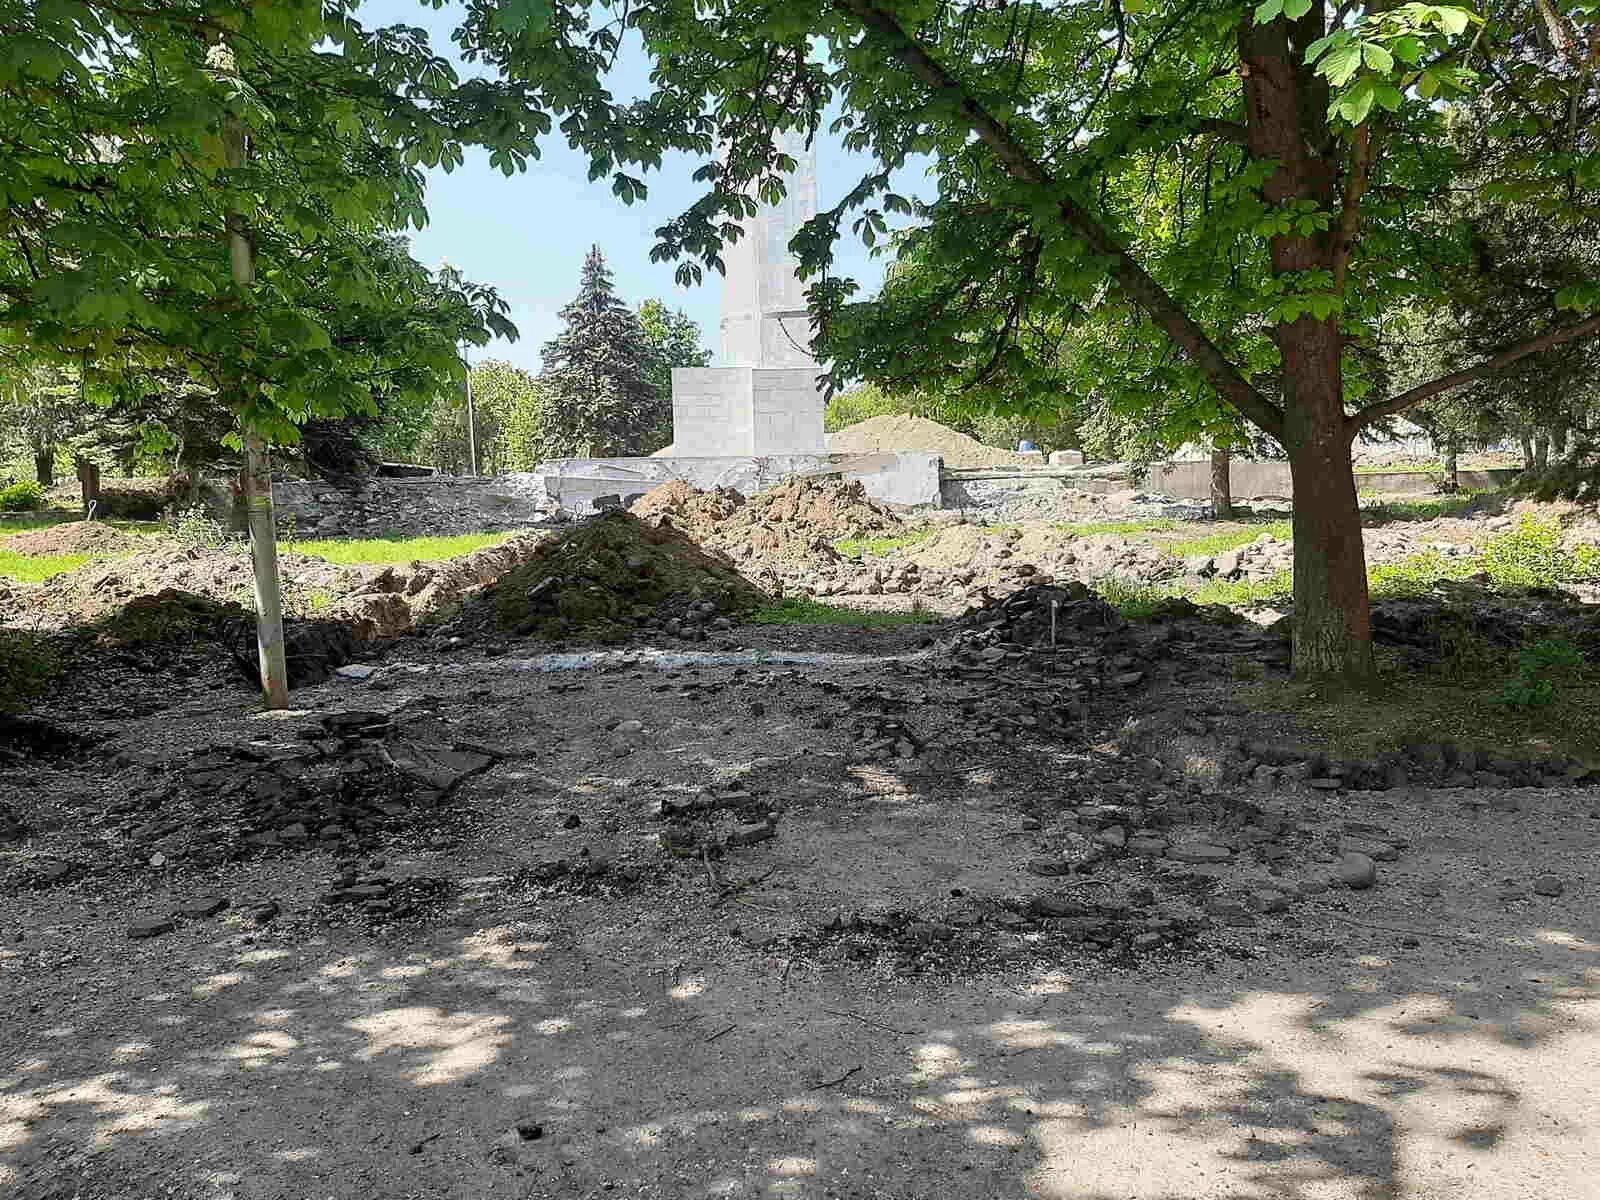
(699, 514)
(74, 537)
(788, 527)
(906, 432)
(608, 576)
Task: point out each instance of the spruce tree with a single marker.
(598, 400)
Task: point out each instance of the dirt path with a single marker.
(573, 1012)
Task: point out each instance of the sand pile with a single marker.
(906, 432)
(607, 577)
(74, 537)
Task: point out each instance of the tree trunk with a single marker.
(1221, 484)
(1541, 451)
(1558, 441)
(44, 466)
(1452, 482)
(1527, 452)
(1332, 624)
(257, 472)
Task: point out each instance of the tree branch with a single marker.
(1020, 164)
(1416, 395)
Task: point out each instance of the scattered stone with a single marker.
(1115, 837)
(1199, 852)
(1147, 847)
(356, 671)
(1049, 866)
(1326, 785)
(1548, 885)
(149, 927)
(1357, 871)
(262, 913)
(200, 910)
(749, 835)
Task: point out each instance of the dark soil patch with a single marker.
(605, 579)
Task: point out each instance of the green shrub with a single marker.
(1532, 556)
(26, 496)
(1540, 667)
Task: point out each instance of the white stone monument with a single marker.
(764, 399)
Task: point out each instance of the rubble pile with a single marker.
(341, 785)
(608, 578)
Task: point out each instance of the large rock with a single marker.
(1357, 871)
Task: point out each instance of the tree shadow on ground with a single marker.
(516, 1060)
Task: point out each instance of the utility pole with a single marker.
(257, 479)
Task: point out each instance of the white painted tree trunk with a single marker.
(257, 479)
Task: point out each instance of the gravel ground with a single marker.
(703, 933)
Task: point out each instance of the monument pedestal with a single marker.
(746, 411)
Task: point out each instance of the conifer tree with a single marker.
(598, 400)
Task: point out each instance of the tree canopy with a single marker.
(1293, 148)
(117, 187)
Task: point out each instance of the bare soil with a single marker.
(782, 931)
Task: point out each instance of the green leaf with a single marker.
(1295, 9)
(1389, 97)
(1377, 57)
(1314, 51)
(1342, 63)
(1355, 102)
(1454, 20)
(519, 17)
(1268, 11)
(1428, 84)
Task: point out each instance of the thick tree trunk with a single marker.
(1527, 451)
(1221, 484)
(1452, 481)
(44, 466)
(1541, 451)
(1332, 624)
(1558, 441)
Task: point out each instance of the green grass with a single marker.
(813, 612)
(1090, 528)
(1135, 601)
(1220, 543)
(1424, 510)
(1245, 592)
(1405, 706)
(396, 549)
(879, 547)
(36, 568)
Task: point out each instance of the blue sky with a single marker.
(527, 235)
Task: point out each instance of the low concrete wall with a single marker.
(434, 505)
(1192, 480)
(580, 486)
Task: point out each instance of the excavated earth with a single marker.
(1025, 904)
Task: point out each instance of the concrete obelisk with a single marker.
(764, 399)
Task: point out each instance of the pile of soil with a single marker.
(793, 524)
(699, 514)
(607, 577)
(75, 537)
(906, 432)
